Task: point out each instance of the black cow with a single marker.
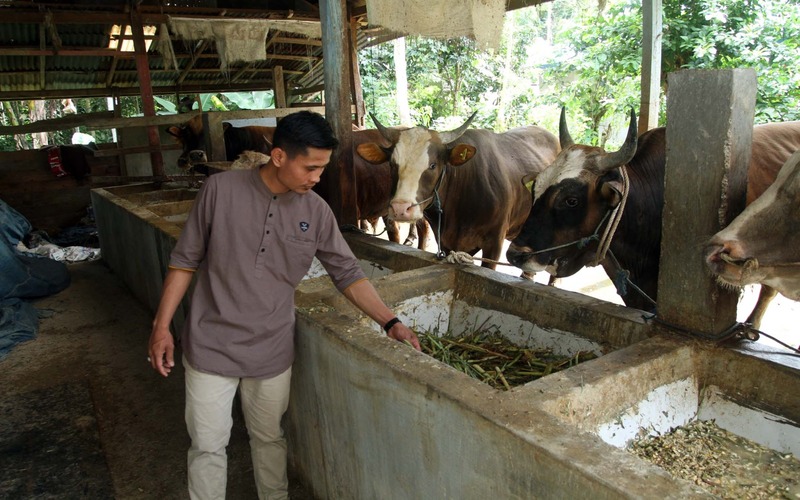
(574, 197)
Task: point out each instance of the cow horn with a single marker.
(391, 135)
(453, 135)
(615, 160)
(563, 132)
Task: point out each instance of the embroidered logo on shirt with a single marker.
(304, 226)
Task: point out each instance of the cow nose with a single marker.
(724, 250)
(401, 209)
(197, 155)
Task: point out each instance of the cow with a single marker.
(237, 139)
(248, 147)
(473, 174)
(574, 197)
(762, 244)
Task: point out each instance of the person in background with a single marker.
(249, 240)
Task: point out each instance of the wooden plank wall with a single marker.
(48, 202)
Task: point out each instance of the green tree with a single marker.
(759, 34)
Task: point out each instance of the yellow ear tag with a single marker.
(529, 186)
(464, 154)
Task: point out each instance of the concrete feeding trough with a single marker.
(658, 385)
(370, 417)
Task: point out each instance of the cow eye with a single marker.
(571, 202)
(432, 166)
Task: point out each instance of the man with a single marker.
(250, 238)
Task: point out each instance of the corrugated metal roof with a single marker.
(67, 42)
(78, 57)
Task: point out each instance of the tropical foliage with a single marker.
(587, 57)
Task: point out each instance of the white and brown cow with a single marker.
(573, 197)
(474, 174)
(762, 244)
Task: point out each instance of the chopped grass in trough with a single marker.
(491, 358)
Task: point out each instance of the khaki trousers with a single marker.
(209, 401)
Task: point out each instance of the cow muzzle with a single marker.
(405, 211)
(726, 260)
(524, 260)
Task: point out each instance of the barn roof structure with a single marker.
(113, 48)
(85, 48)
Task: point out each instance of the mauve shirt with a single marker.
(250, 248)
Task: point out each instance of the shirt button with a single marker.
(274, 197)
(262, 250)
(267, 232)
(270, 215)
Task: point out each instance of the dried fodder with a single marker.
(723, 463)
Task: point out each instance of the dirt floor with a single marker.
(94, 342)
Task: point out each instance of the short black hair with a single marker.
(297, 132)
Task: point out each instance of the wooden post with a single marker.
(146, 85)
(214, 137)
(355, 83)
(338, 185)
(279, 87)
(709, 134)
(651, 65)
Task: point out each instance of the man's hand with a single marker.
(402, 333)
(161, 351)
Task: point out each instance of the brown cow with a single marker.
(762, 244)
(573, 197)
(475, 174)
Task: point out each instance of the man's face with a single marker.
(301, 173)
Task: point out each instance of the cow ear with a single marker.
(611, 188)
(461, 153)
(373, 153)
(529, 179)
(225, 126)
(174, 131)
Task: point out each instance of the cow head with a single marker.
(571, 200)
(762, 244)
(190, 136)
(418, 157)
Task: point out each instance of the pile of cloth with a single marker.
(23, 277)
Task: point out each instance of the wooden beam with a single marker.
(102, 153)
(42, 59)
(355, 81)
(338, 183)
(148, 103)
(53, 124)
(279, 87)
(651, 65)
(115, 60)
(17, 16)
(68, 52)
(105, 120)
(288, 57)
(298, 41)
(102, 91)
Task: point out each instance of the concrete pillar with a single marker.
(709, 134)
